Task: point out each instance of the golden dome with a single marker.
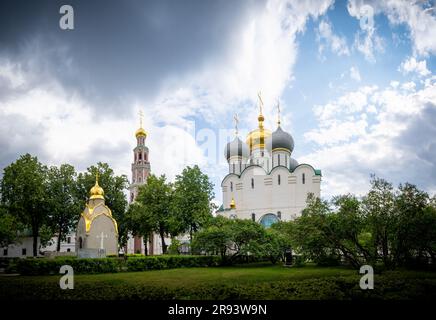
(256, 139)
(141, 133)
(96, 191)
(232, 204)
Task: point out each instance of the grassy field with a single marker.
(239, 282)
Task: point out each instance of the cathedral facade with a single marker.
(264, 182)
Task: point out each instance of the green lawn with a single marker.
(239, 282)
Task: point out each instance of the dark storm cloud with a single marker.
(119, 50)
(419, 140)
(14, 140)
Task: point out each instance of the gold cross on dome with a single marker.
(236, 119)
(141, 115)
(260, 102)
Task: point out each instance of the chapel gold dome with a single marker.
(141, 133)
(96, 192)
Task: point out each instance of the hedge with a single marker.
(43, 266)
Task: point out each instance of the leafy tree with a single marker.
(115, 198)
(9, 227)
(137, 224)
(412, 225)
(191, 202)
(231, 238)
(64, 205)
(24, 194)
(154, 198)
(379, 209)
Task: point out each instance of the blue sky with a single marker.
(357, 101)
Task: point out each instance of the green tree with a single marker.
(24, 194)
(191, 204)
(137, 224)
(64, 205)
(10, 227)
(411, 225)
(115, 198)
(231, 238)
(379, 210)
(154, 198)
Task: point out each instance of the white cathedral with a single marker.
(265, 183)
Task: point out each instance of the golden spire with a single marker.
(96, 191)
(260, 118)
(141, 132)
(232, 204)
(278, 112)
(236, 119)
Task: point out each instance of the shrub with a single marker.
(43, 266)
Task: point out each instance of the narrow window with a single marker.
(262, 153)
(5, 251)
(303, 176)
(140, 156)
(278, 158)
(279, 215)
(278, 179)
(233, 168)
(231, 186)
(253, 216)
(252, 183)
(23, 251)
(69, 240)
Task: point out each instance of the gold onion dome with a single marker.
(141, 133)
(96, 191)
(257, 138)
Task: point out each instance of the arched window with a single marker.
(278, 179)
(303, 178)
(233, 168)
(278, 159)
(139, 179)
(140, 156)
(253, 216)
(262, 153)
(268, 219)
(252, 183)
(80, 243)
(231, 186)
(279, 215)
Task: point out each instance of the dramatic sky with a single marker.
(356, 83)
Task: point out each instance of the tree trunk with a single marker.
(58, 245)
(145, 240)
(164, 246)
(35, 241)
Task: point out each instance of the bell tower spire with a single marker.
(141, 164)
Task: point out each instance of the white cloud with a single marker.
(327, 38)
(416, 15)
(411, 65)
(398, 142)
(355, 74)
